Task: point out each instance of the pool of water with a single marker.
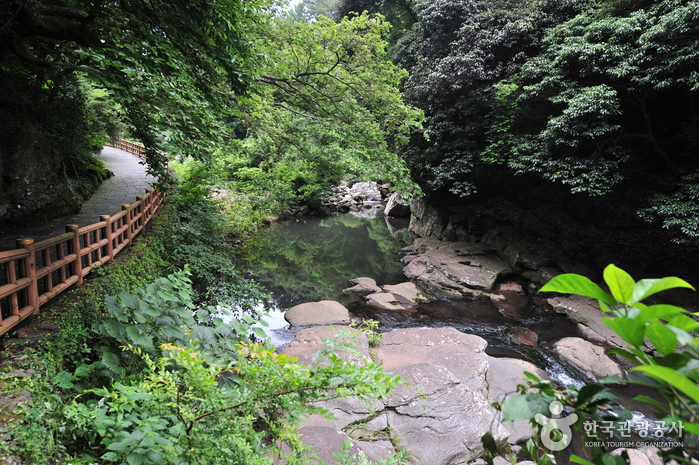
(313, 259)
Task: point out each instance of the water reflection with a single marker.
(314, 259)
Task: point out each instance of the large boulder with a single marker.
(325, 312)
(586, 357)
(438, 414)
(504, 375)
(403, 296)
(363, 285)
(426, 220)
(397, 206)
(456, 269)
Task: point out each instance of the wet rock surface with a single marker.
(586, 312)
(395, 297)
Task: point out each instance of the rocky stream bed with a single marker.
(442, 412)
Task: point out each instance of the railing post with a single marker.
(151, 196)
(30, 272)
(129, 232)
(108, 235)
(75, 246)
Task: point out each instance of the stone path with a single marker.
(129, 181)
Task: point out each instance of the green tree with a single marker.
(171, 65)
(456, 53)
(328, 98)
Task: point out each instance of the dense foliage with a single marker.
(326, 106)
(591, 97)
(181, 384)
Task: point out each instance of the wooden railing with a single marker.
(134, 147)
(34, 273)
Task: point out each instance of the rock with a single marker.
(504, 374)
(325, 312)
(438, 418)
(363, 191)
(308, 341)
(456, 269)
(542, 275)
(385, 190)
(511, 287)
(510, 304)
(408, 291)
(325, 441)
(426, 220)
(586, 357)
(363, 285)
(586, 311)
(388, 301)
(396, 206)
(376, 451)
(525, 336)
(425, 244)
(592, 336)
(10, 401)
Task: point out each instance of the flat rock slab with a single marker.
(586, 357)
(403, 297)
(438, 419)
(309, 341)
(408, 291)
(438, 415)
(388, 301)
(325, 312)
(455, 269)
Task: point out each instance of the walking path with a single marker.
(129, 181)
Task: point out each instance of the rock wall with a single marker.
(33, 179)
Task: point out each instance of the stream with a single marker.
(312, 259)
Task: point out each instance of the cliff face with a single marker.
(34, 184)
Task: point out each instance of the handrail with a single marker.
(136, 148)
(37, 272)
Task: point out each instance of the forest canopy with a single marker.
(593, 98)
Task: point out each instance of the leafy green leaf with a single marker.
(653, 402)
(139, 338)
(662, 338)
(525, 406)
(630, 330)
(620, 283)
(661, 311)
(672, 377)
(647, 287)
(684, 323)
(64, 380)
(571, 283)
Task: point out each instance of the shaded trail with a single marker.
(129, 181)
